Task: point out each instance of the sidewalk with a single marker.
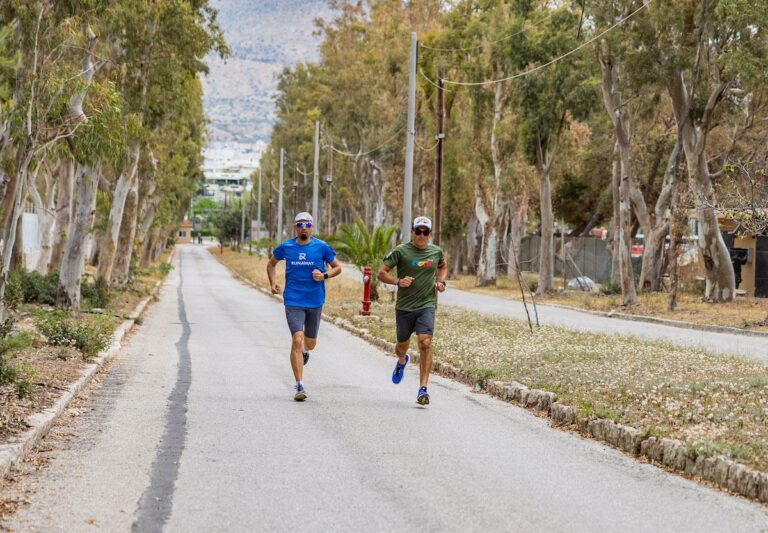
(716, 342)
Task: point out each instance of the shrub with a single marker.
(165, 268)
(610, 288)
(90, 335)
(96, 294)
(533, 285)
(39, 289)
(14, 290)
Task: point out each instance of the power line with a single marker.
(349, 154)
(545, 65)
(478, 46)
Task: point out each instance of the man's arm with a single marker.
(334, 271)
(271, 275)
(442, 272)
(385, 276)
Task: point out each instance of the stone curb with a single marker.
(663, 321)
(18, 448)
(670, 453)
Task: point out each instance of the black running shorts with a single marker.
(421, 321)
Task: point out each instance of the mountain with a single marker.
(264, 37)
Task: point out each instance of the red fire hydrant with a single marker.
(366, 310)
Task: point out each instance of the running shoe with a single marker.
(301, 393)
(423, 397)
(397, 374)
(306, 357)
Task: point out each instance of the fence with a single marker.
(587, 256)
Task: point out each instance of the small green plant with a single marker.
(533, 285)
(14, 290)
(12, 343)
(482, 375)
(90, 335)
(95, 295)
(165, 268)
(39, 289)
(610, 288)
(24, 385)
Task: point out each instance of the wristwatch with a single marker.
(325, 275)
(443, 282)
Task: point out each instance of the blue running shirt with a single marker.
(300, 289)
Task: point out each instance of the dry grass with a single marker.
(714, 404)
(745, 313)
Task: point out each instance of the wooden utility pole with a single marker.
(270, 226)
(316, 176)
(280, 197)
(409, 147)
(250, 222)
(329, 190)
(439, 156)
(295, 189)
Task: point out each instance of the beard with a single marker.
(303, 236)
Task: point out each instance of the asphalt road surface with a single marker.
(195, 429)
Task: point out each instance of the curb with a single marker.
(18, 448)
(664, 452)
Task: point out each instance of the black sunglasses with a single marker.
(424, 232)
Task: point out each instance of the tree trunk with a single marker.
(628, 292)
(121, 269)
(546, 248)
(486, 268)
(73, 263)
(613, 239)
(108, 247)
(720, 278)
(518, 223)
(63, 214)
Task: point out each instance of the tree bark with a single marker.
(63, 214)
(720, 278)
(73, 263)
(125, 243)
(109, 243)
(518, 223)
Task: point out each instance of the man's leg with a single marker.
(309, 344)
(425, 362)
(297, 358)
(312, 327)
(401, 348)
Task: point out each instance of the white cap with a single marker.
(422, 221)
(303, 216)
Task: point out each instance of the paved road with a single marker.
(195, 429)
(722, 343)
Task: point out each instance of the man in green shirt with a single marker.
(421, 271)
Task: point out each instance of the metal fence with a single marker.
(586, 256)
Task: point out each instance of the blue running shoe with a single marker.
(301, 393)
(306, 357)
(397, 374)
(423, 397)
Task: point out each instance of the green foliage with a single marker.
(95, 294)
(610, 288)
(90, 335)
(227, 225)
(165, 268)
(362, 247)
(36, 288)
(14, 290)
(14, 343)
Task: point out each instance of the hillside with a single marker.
(265, 37)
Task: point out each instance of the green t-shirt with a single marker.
(421, 265)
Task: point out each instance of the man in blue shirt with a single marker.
(305, 273)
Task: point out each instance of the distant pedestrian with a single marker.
(421, 271)
(306, 259)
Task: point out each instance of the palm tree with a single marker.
(363, 248)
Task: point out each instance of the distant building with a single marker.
(184, 235)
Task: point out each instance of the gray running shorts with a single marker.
(304, 319)
(421, 321)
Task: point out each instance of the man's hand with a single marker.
(440, 286)
(317, 275)
(406, 281)
(275, 289)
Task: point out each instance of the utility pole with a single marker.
(270, 227)
(408, 185)
(242, 219)
(280, 198)
(439, 156)
(295, 188)
(258, 205)
(316, 175)
(250, 222)
(329, 189)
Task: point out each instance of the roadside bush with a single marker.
(14, 290)
(90, 335)
(165, 268)
(533, 285)
(610, 288)
(37, 288)
(21, 375)
(95, 294)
